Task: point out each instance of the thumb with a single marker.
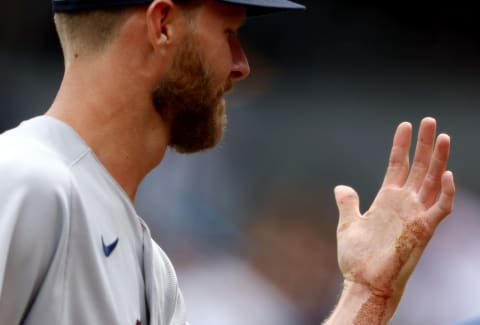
(348, 203)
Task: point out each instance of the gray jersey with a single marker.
(72, 248)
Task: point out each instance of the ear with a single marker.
(160, 18)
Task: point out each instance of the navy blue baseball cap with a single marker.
(254, 7)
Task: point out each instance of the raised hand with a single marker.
(377, 251)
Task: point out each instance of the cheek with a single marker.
(221, 66)
(220, 61)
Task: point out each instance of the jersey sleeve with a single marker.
(33, 213)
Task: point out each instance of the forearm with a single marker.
(359, 306)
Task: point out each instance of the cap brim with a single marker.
(264, 7)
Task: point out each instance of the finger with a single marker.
(444, 205)
(432, 182)
(423, 153)
(348, 204)
(398, 164)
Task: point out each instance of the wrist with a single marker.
(372, 307)
(360, 305)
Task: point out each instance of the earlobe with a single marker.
(160, 22)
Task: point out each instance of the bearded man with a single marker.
(140, 76)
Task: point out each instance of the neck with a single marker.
(116, 118)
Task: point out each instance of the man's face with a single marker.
(191, 96)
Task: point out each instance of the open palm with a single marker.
(380, 248)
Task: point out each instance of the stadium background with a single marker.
(250, 225)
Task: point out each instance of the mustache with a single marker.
(227, 86)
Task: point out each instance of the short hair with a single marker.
(88, 32)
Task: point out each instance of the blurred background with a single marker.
(251, 225)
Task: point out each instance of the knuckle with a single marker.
(396, 162)
(446, 207)
(420, 165)
(431, 181)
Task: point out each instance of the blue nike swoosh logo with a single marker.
(108, 249)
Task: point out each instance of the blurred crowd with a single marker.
(277, 263)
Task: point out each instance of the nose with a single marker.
(240, 66)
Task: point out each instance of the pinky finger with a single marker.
(444, 204)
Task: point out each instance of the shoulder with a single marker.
(35, 199)
(31, 165)
(34, 193)
(35, 187)
(46, 146)
(35, 208)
